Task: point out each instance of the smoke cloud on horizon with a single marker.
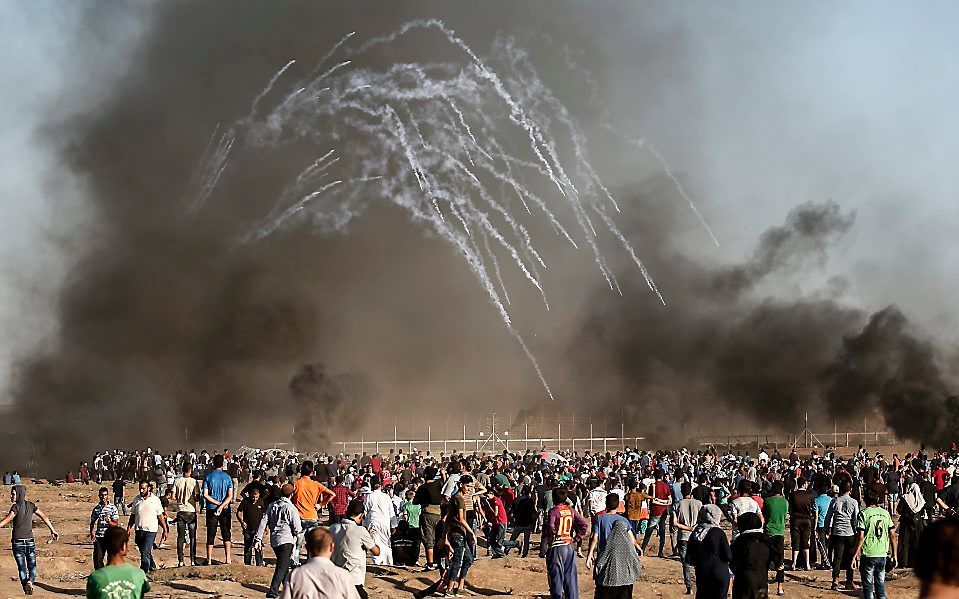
(166, 322)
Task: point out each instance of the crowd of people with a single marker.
(870, 513)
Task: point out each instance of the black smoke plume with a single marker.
(323, 401)
(732, 345)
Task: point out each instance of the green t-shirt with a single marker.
(775, 509)
(412, 513)
(125, 581)
(875, 522)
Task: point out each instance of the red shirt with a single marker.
(939, 475)
(341, 499)
(500, 509)
(660, 491)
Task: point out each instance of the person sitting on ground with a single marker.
(117, 578)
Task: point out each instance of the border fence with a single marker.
(490, 432)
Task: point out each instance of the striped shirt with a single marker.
(102, 515)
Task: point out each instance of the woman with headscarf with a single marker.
(617, 565)
(708, 552)
(752, 559)
(24, 546)
(911, 523)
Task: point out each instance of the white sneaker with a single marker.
(179, 564)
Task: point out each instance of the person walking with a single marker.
(186, 498)
(319, 577)
(117, 579)
(524, 518)
(775, 509)
(662, 496)
(351, 541)
(118, 499)
(876, 538)
(752, 558)
(249, 513)
(307, 494)
(564, 525)
(380, 515)
(709, 553)
(283, 520)
(840, 521)
(616, 567)
(103, 516)
(498, 521)
(24, 544)
(147, 518)
(218, 493)
(801, 513)
(911, 524)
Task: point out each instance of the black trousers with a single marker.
(362, 592)
(249, 553)
(99, 551)
(284, 559)
(842, 555)
(185, 523)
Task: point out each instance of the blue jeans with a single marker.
(120, 504)
(305, 527)
(498, 543)
(687, 569)
(657, 523)
(462, 557)
(25, 552)
(144, 541)
(873, 572)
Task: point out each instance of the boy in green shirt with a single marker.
(775, 509)
(876, 536)
(118, 579)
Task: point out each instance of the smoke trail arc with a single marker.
(435, 139)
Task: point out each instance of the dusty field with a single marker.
(63, 566)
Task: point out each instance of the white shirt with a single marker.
(597, 500)
(743, 505)
(350, 544)
(379, 508)
(319, 578)
(145, 512)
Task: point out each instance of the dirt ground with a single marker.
(64, 565)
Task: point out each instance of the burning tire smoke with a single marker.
(197, 291)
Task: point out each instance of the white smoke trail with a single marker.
(464, 149)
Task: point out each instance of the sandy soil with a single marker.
(64, 565)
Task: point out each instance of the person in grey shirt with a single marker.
(840, 521)
(319, 577)
(685, 515)
(283, 520)
(351, 541)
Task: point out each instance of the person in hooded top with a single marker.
(752, 558)
(708, 552)
(24, 545)
(911, 523)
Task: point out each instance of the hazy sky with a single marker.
(759, 106)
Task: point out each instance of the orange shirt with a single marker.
(306, 494)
